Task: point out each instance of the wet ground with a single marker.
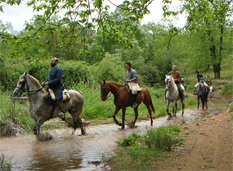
(75, 152)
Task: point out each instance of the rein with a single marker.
(33, 91)
(107, 98)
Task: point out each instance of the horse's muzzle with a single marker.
(17, 92)
(103, 98)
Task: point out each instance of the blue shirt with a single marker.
(199, 76)
(56, 79)
(131, 74)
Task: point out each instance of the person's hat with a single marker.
(54, 58)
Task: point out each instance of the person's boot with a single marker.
(134, 98)
(61, 115)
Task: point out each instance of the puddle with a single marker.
(75, 152)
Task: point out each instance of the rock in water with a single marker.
(44, 137)
(8, 129)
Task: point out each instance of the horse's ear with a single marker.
(104, 81)
(25, 73)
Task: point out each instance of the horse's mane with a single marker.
(170, 77)
(34, 80)
(112, 82)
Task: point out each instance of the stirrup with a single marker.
(61, 115)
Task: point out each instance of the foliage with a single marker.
(73, 71)
(110, 70)
(140, 151)
(19, 114)
(231, 108)
(228, 89)
(210, 18)
(5, 162)
(128, 141)
(162, 138)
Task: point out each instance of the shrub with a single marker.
(5, 163)
(109, 70)
(228, 89)
(128, 141)
(162, 138)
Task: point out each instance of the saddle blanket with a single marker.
(134, 87)
(65, 94)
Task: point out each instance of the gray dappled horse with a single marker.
(202, 93)
(172, 95)
(41, 112)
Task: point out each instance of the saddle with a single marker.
(133, 88)
(50, 98)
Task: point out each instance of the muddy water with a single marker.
(75, 152)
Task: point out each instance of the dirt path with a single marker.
(75, 152)
(208, 146)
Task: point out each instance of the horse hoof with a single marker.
(83, 132)
(44, 137)
(120, 124)
(169, 117)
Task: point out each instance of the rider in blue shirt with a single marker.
(132, 81)
(54, 81)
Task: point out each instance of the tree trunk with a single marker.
(215, 62)
(216, 70)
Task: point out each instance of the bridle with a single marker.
(107, 96)
(167, 83)
(32, 91)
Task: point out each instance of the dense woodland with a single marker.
(95, 47)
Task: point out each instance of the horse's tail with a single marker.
(150, 102)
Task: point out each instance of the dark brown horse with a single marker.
(122, 100)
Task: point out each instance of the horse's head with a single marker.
(202, 80)
(104, 90)
(21, 85)
(168, 81)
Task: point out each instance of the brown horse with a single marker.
(122, 100)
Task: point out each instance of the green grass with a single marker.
(128, 141)
(190, 132)
(228, 89)
(231, 115)
(19, 113)
(5, 162)
(140, 151)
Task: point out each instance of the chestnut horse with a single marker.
(122, 100)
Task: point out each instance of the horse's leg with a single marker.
(37, 129)
(123, 117)
(77, 122)
(182, 109)
(114, 116)
(206, 101)
(136, 115)
(34, 129)
(175, 108)
(168, 109)
(151, 119)
(198, 102)
(202, 101)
